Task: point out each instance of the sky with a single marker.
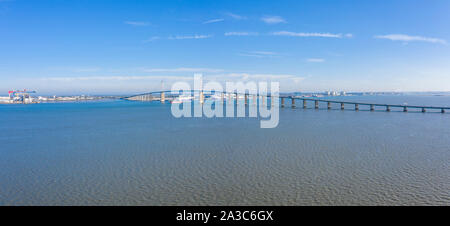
(127, 47)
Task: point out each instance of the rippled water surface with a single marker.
(133, 153)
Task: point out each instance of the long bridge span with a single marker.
(164, 96)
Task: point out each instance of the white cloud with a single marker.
(259, 54)
(158, 78)
(409, 38)
(213, 21)
(302, 34)
(241, 33)
(183, 69)
(154, 38)
(315, 60)
(115, 78)
(273, 19)
(236, 17)
(247, 76)
(137, 23)
(179, 37)
(297, 80)
(76, 69)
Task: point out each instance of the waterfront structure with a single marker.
(317, 101)
(21, 96)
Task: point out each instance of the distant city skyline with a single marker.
(124, 47)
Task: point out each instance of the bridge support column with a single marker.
(304, 104)
(316, 104)
(405, 109)
(442, 110)
(293, 103)
(222, 97)
(388, 108)
(246, 99)
(202, 97)
(329, 105)
(356, 107)
(372, 107)
(342, 106)
(163, 97)
(424, 110)
(282, 102)
(237, 98)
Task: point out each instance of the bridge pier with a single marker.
(264, 98)
(163, 97)
(202, 97)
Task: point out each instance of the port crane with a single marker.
(20, 95)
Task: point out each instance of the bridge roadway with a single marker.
(146, 97)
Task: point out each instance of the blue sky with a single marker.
(103, 46)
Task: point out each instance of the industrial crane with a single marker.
(20, 95)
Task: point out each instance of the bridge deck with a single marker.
(368, 104)
(306, 99)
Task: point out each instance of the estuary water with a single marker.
(136, 153)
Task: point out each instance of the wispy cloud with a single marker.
(213, 21)
(259, 54)
(180, 37)
(315, 60)
(278, 77)
(235, 16)
(273, 19)
(115, 78)
(152, 39)
(241, 33)
(137, 23)
(409, 38)
(76, 69)
(302, 34)
(183, 69)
